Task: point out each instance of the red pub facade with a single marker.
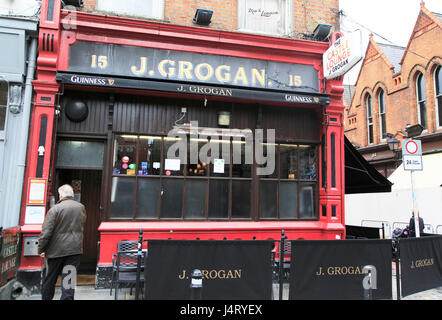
(114, 96)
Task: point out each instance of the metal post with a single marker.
(281, 265)
(139, 255)
(416, 217)
(398, 282)
(196, 285)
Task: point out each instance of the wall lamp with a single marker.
(75, 3)
(321, 33)
(202, 17)
(414, 131)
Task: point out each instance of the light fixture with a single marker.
(321, 32)
(393, 144)
(224, 118)
(75, 3)
(202, 17)
(76, 110)
(414, 131)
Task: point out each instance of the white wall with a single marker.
(19, 7)
(396, 206)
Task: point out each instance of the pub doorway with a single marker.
(87, 190)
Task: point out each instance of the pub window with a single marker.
(289, 192)
(382, 119)
(438, 95)
(3, 106)
(150, 180)
(421, 103)
(369, 119)
(273, 17)
(136, 8)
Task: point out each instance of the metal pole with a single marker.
(398, 282)
(416, 217)
(196, 285)
(281, 265)
(139, 254)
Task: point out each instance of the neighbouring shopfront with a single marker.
(184, 132)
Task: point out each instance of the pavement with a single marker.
(88, 292)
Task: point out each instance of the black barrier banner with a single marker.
(336, 269)
(231, 270)
(421, 264)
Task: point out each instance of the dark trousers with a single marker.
(67, 267)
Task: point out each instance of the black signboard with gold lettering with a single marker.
(231, 270)
(336, 269)
(188, 67)
(421, 264)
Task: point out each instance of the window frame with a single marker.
(421, 99)
(254, 184)
(370, 125)
(438, 96)
(288, 12)
(382, 115)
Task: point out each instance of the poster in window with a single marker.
(36, 191)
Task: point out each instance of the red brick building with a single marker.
(397, 87)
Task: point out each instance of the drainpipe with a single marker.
(24, 132)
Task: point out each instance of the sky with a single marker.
(393, 20)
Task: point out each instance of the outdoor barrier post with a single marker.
(139, 254)
(398, 282)
(281, 264)
(196, 285)
(369, 282)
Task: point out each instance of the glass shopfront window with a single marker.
(157, 177)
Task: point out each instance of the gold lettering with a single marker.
(223, 77)
(205, 273)
(185, 69)
(213, 274)
(170, 72)
(142, 68)
(182, 276)
(241, 76)
(259, 75)
(238, 273)
(209, 72)
(221, 274)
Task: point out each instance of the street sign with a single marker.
(412, 163)
(412, 147)
(412, 155)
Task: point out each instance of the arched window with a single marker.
(421, 104)
(438, 95)
(369, 118)
(382, 120)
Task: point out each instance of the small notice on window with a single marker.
(34, 214)
(218, 165)
(172, 164)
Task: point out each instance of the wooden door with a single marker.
(87, 189)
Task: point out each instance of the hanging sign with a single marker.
(343, 55)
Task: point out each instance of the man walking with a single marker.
(61, 243)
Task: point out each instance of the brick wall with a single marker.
(307, 13)
(401, 104)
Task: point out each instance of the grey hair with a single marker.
(66, 191)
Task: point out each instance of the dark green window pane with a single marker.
(195, 199)
(307, 201)
(268, 199)
(171, 198)
(241, 199)
(122, 197)
(219, 199)
(147, 198)
(288, 197)
(80, 154)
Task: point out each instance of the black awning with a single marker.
(360, 176)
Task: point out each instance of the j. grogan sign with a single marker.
(156, 64)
